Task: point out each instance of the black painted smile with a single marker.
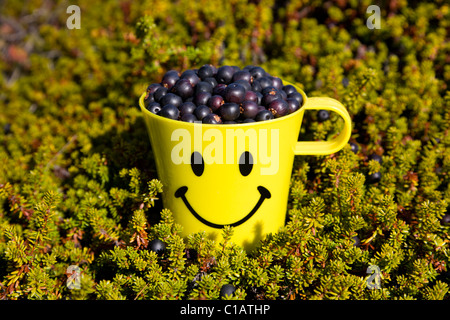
(265, 194)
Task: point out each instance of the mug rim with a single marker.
(259, 123)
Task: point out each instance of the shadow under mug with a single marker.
(237, 175)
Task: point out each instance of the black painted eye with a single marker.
(246, 163)
(197, 163)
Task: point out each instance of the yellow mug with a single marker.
(237, 175)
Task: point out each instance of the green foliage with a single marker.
(78, 184)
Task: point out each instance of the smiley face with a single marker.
(245, 168)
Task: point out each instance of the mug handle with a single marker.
(325, 147)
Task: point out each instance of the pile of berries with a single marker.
(225, 95)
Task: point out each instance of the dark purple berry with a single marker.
(230, 111)
(268, 89)
(264, 82)
(189, 117)
(7, 128)
(249, 109)
(256, 86)
(170, 78)
(236, 68)
(215, 102)
(248, 120)
(219, 89)
(202, 111)
(153, 87)
(212, 118)
(278, 108)
(445, 220)
(157, 246)
(257, 72)
(225, 74)
(229, 122)
(264, 115)
(206, 71)
(269, 97)
(259, 97)
(297, 96)
(289, 89)
(354, 147)
(227, 290)
(202, 98)
(183, 88)
(277, 82)
(345, 82)
(323, 115)
(203, 86)
(187, 108)
(356, 241)
(169, 111)
(374, 177)
(251, 96)
(293, 105)
(234, 93)
(171, 98)
(247, 86)
(159, 93)
(211, 80)
(191, 76)
(154, 107)
(377, 158)
(149, 98)
(242, 75)
(191, 254)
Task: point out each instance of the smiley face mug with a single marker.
(236, 175)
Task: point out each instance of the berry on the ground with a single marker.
(354, 147)
(227, 290)
(374, 177)
(157, 246)
(323, 115)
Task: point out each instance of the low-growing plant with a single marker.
(80, 200)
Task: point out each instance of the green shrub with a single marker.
(78, 183)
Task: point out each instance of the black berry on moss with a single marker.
(354, 147)
(446, 220)
(227, 290)
(323, 115)
(374, 177)
(376, 157)
(157, 246)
